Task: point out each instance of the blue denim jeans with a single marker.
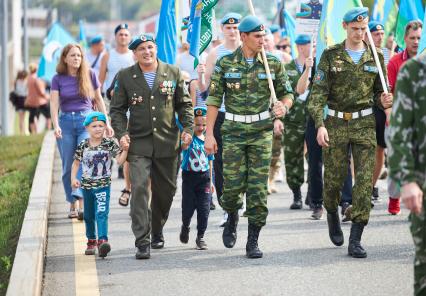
(96, 210)
(73, 132)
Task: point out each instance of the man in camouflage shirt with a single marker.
(407, 155)
(247, 130)
(347, 80)
(295, 121)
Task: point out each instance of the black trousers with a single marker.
(217, 162)
(196, 196)
(315, 184)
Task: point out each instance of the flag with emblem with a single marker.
(167, 37)
(56, 39)
(409, 10)
(330, 30)
(200, 30)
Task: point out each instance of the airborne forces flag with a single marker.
(200, 27)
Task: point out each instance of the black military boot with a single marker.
(157, 241)
(229, 235)
(143, 252)
(297, 200)
(355, 249)
(252, 249)
(334, 230)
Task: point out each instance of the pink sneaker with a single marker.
(394, 207)
(91, 247)
(103, 248)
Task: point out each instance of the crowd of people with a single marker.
(224, 128)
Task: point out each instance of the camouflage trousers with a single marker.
(360, 135)
(277, 142)
(418, 231)
(294, 139)
(246, 160)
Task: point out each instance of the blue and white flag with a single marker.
(56, 39)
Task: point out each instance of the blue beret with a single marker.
(374, 26)
(97, 39)
(140, 39)
(121, 26)
(231, 18)
(268, 31)
(302, 39)
(356, 15)
(251, 24)
(94, 116)
(274, 28)
(200, 111)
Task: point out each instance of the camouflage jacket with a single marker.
(406, 137)
(343, 85)
(245, 86)
(151, 125)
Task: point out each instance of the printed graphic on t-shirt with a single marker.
(96, 162)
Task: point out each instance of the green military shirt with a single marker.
(293, 74)
(246, 87)
(152, 125)
(407, 132)
(343, 85)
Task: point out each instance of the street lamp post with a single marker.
(4, 70)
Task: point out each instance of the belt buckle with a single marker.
(347, 116)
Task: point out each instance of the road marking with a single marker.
(86, 275)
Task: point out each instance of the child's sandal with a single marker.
(124, 198)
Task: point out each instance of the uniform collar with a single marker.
(367, 55)
(239, 56)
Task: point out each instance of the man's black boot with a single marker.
(355, 249)
(252, 248)
(157, 241)
(229, 235)
(143, 252)
(297, 200)
(334, 230)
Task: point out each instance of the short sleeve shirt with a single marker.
(195, 158)
(96, 162)
(70, 99)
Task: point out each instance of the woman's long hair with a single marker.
(85, 86)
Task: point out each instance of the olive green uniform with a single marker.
(347, 87)
(154, 141)
(246, 145)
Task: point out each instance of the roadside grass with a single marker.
(18, 160)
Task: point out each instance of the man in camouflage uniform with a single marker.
(295, 122)
(247, 130)
(347, 80)
(407, 155)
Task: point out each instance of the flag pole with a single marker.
(273, 97)
(376, 57)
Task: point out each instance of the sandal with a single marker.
(73, 214)
(124, 198)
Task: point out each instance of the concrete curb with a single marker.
(27, 272)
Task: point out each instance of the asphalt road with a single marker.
(298, 258)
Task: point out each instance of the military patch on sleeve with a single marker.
(319, 76)
(217, 69)
(288, 87)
